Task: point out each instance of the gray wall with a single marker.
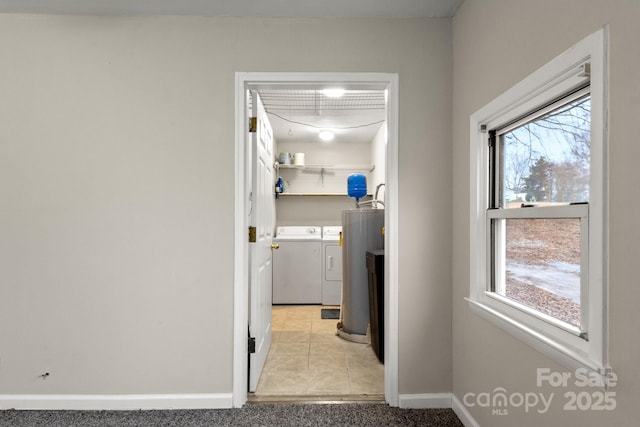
(116, 218)
(496, 44)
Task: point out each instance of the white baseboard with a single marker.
(425, 401)
(462, 413)
(116, 402)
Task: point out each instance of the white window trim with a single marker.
(557, 212)
(562, 345)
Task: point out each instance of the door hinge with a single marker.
(252, 234)
(252, 345)
(253, 124)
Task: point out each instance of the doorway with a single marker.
(281, 81)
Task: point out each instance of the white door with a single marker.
(262, 215)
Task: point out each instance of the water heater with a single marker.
(362, 231)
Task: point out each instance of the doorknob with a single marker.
(275, 246)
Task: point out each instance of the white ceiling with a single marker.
(300, 114)
(289, 8)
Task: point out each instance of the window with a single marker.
(538, 208)
(538, 214)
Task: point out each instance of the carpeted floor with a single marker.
(271, 414)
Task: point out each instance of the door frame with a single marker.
(381, 81)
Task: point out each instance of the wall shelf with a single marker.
(318, 179)
(317, 195)
(321, 168)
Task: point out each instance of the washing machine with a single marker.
(297, 265)
(331, 265)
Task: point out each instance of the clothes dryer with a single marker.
(331, 265)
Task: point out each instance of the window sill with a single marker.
(554, 349)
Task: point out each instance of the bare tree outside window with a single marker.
(546, 163)
(547, 160)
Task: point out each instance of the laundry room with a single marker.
(329, 157)
(321, 137)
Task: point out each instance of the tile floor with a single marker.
(307, 358)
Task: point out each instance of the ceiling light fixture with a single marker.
(326, 135)
(333, 92)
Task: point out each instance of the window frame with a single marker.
(568, 346)
(580, 212)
